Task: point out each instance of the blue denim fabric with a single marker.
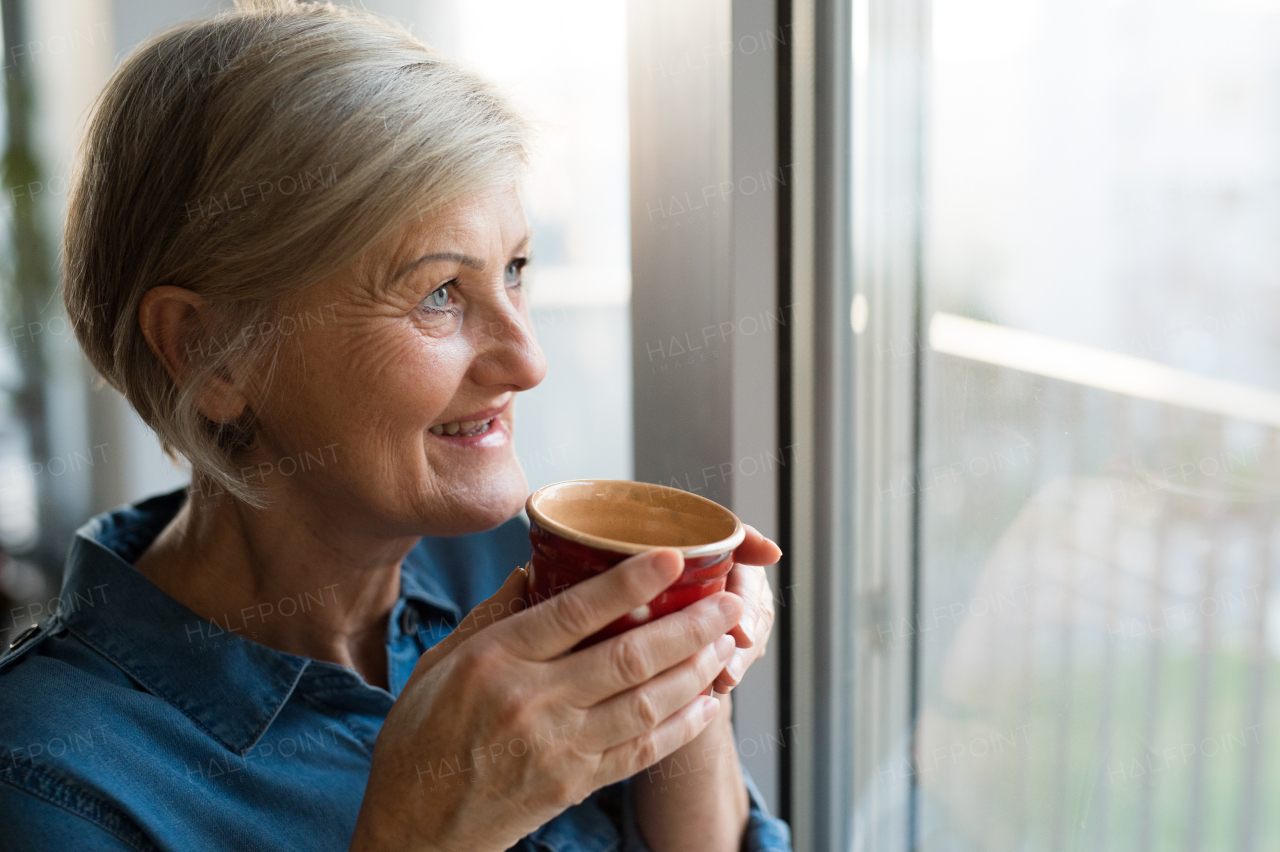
(129, 722)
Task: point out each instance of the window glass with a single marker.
(1100, 427)
(564, 63)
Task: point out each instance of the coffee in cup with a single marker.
(583, 527)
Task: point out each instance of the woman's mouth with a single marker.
(463, 428)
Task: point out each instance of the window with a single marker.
(1099, 426)
(1043, 585)
(577, 423)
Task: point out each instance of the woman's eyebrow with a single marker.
(455, 257)
(452, 256)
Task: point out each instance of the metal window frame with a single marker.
(838, 109)
(709, 317)
(856, 120)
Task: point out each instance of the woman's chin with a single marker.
(477, 507)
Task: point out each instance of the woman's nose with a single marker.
(509, 353)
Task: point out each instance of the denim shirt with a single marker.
(129, 722)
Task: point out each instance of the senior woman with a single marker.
(295, 244)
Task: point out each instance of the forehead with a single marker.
(478, 226)
(493, 218)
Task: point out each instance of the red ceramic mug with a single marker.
(582, 527)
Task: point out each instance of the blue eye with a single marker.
(511, 275)
(438, 299)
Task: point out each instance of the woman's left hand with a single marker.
(747, 579)
(706, 807)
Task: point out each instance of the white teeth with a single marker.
(451, 428)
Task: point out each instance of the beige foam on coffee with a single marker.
(622, 511)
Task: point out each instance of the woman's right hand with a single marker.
(499, 730)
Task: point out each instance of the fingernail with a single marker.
(724, 647)
(736, 667)
(729, 606)
(709, 708)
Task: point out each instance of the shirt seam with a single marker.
(159, 693)
(340, 720)
(154, 690)
(275, 712)
(64, 798)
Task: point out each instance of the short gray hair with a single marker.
(245, 157)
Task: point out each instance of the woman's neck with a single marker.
(283, 576)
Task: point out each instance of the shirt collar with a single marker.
(419, 581)
(228, 685)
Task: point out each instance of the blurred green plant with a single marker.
(27, 282)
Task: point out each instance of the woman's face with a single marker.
(395, 399)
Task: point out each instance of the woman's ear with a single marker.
(172, 321)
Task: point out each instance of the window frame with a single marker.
(857, 97)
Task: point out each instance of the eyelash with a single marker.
(450, 310)
(519, 263)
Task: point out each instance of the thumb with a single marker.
(508, 600)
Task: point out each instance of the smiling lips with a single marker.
(463, 428)
(476, 424)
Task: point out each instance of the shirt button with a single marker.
(409, 620)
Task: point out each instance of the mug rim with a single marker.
(724, 545)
